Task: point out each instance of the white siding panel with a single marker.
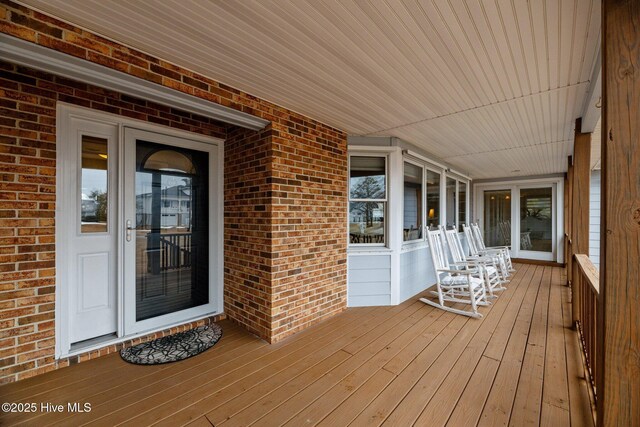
(369, 280)
(594, 218)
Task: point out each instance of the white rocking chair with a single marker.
(481, 246)
(492, 276)
(497, 254)
(455, 283)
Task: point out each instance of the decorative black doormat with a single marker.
(173, 347)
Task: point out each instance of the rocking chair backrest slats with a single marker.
(438, 254)
(471, 241)
(455, 246)
(478, 235)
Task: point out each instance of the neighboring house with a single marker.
(175, 207)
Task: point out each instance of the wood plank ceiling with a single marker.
(489, 86)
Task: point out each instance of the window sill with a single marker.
(414, 246)
(368, 250)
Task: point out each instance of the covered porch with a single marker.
(402, 365)
(326, 139)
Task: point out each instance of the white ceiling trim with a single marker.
(32, 55)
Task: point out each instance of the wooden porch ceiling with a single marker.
(488, 86)
(403, 365)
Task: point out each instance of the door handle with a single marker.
(129, 229)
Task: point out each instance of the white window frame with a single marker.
(386, 229)
(458, 180)
(426, 175)
(423, 202)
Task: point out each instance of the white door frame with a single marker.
(557, 184)
(64, 113)
(131, 325)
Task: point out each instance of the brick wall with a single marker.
(248, 229)
(285, 194)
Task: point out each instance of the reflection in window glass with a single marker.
(367, 199)
(172, 229)
(462, 207)
(451, 203)
(497, 217)
(412, 229)
(94, 200)
(433, 199)
(536, 216)
(367, 179)
(366, 222)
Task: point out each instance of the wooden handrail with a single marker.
(585, 293)
(589, 271)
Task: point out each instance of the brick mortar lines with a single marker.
(296, 148)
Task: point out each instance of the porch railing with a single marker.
(586, 291)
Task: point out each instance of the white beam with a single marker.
(39, 57)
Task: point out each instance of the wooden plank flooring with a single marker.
(405, 365)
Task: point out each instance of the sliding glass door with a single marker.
(521, 216)
(536, 222)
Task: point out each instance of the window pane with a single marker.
(497, 218)
(451, 202)
(536, 215)
(462, 207)
(366, 222)
(412, 202)
(433, 199)
(94, 201)
(367, 178)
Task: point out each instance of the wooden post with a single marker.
(568, 195)
(580, 205)
(618, 389)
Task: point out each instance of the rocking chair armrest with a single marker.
(476, 259)
(498, 247)
(453, 271)
(490, 251)
(464, 263)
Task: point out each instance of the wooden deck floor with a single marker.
(399, 366)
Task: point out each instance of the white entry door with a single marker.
(170, 219)
(138, 228)
(90, 197)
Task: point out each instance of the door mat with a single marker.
(173, 348)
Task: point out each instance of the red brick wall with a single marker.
(285, 194)
(248, 229)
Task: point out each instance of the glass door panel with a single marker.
(497, 217)
(171, 270)
(536, 219)
(171, 230)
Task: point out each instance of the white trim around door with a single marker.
(515, 186)
(77, 232)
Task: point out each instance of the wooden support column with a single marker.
(618, 388)
(568, 214)
(580, 205)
